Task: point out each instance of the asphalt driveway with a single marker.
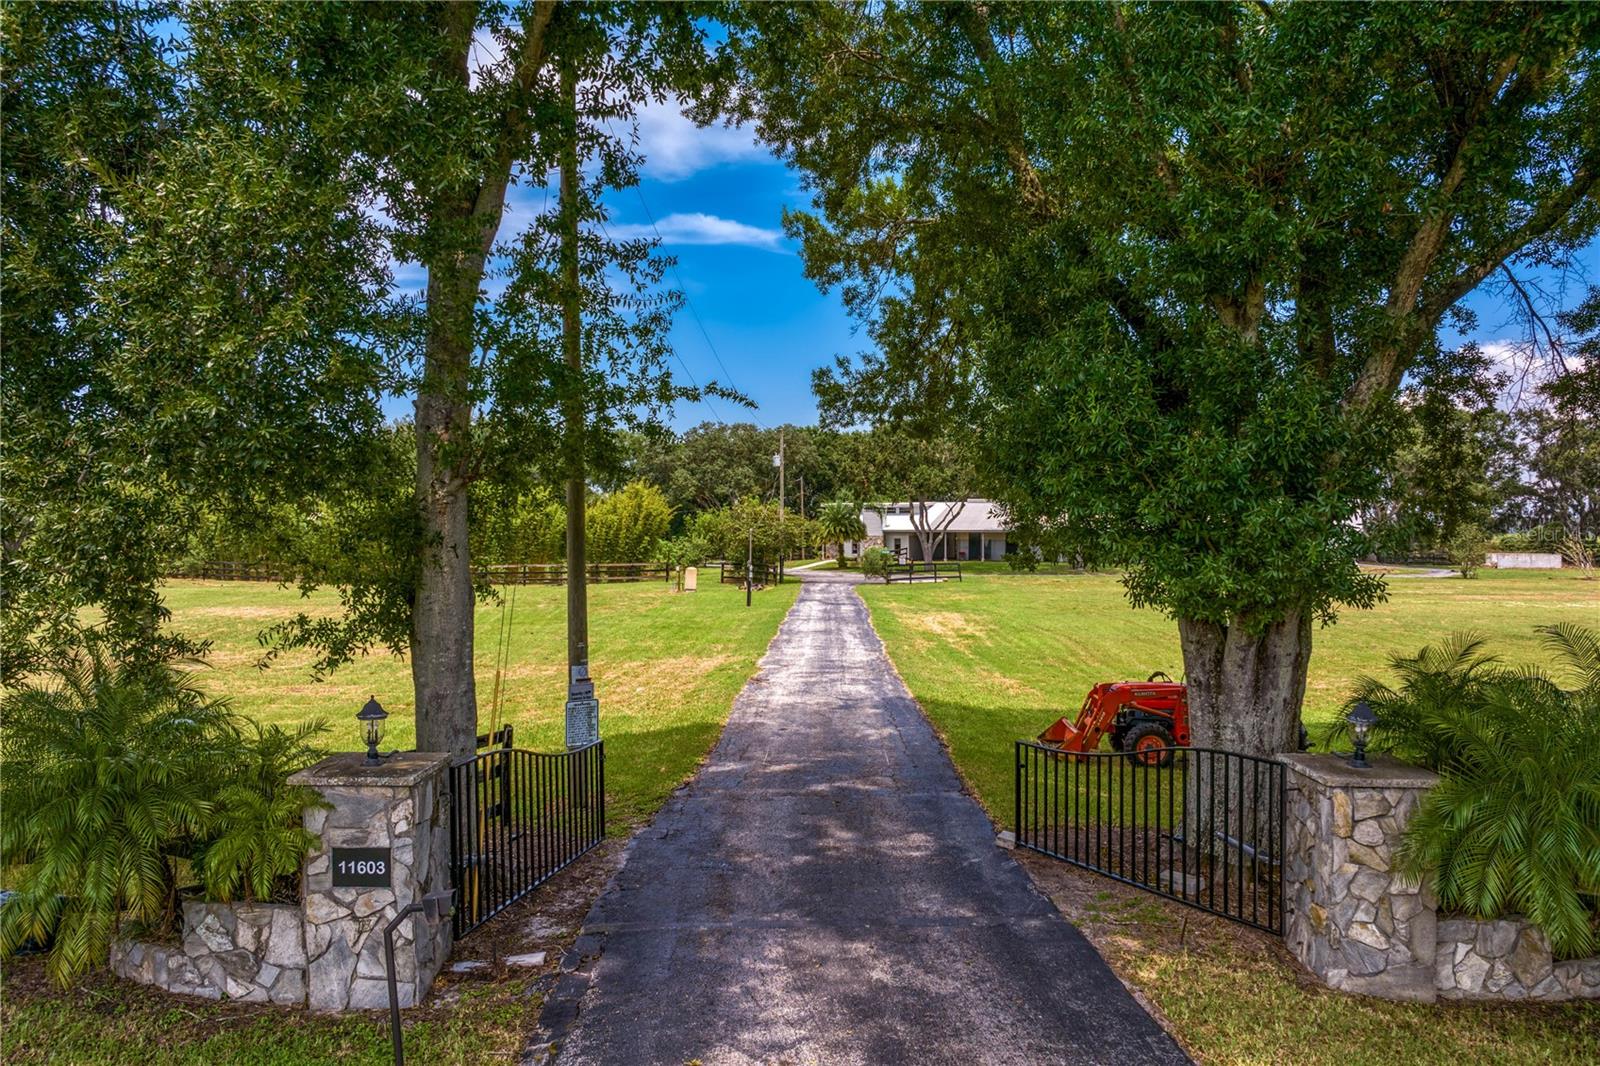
(824, 892)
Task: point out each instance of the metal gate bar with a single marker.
(516, 818)
(1200, 826)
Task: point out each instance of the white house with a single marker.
(960, 529)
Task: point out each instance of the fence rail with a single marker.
(225, 570)
(497, 574)
(909, 572)
(516, 818)
(556, 573)
(1205, 830)
(730, 572)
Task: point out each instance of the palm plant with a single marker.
(259, 839)
(1514, 824)
(839, 521)
(106, 774)
(1432, 686)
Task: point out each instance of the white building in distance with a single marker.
(963, 530)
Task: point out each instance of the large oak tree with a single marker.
(1195, 250)
(236, 303)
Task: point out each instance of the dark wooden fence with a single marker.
(556, 573)
(500, 574)
(233, 571)
(732, 573)
(922, 571)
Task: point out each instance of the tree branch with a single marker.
(1555, 209)
(513, 124)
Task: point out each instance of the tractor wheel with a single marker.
(1144, 743)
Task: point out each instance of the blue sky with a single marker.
(717, 198)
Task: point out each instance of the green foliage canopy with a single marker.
(1190, 253)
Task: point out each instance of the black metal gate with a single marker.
(516, 817)
(1199, 826)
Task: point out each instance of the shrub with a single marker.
(1467, 550)
(1514, 824)
(258, 839)
(875, 562)
(681, 553)
(118, 782)
(108, 770)
(624, 526)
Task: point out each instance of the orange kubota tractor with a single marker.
(1145, 720)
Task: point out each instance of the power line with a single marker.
(705, 399)
(692, 312)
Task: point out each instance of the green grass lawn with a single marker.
(999, 656)
(106, 1024)
(666, 667)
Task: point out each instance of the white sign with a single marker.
(583, 722)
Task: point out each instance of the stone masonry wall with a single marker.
(1351, 919)
(1508, 958)
(328, 952)
(250, 952)
(1359, 927)
(398, 805)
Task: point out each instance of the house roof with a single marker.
(970, 516)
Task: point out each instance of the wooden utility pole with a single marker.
(580, 690)
(783, 541)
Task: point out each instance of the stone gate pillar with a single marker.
(385, 843)
(1350, 918)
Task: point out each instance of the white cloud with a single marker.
(697, 228)
(674, 147)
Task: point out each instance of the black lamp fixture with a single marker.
(372, 717)
(1361, 720)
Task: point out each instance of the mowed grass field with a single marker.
(666, 665)
(998, 656)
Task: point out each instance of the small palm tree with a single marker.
(1514, 824)
(839, 521)
(260, 840)
(106, 776)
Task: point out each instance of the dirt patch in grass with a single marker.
(653, 677)
(1010, 684)
(547, 920)
(244, 610)
(951, 626)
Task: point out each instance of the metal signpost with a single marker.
(583, 710)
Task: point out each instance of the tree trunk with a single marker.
(1245, 689)
(1244, 693)
(442, 617)
(841, 555)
